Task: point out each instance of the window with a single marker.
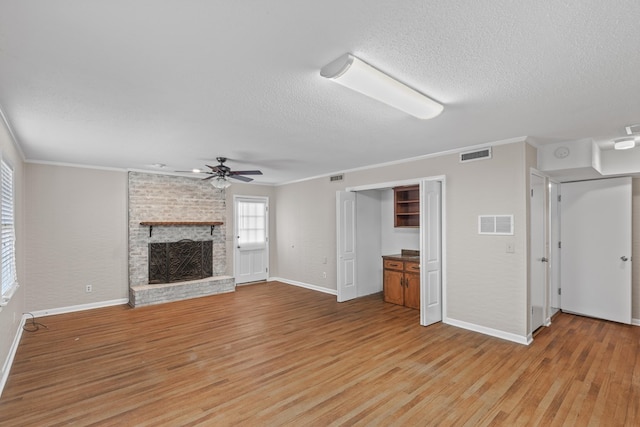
(251, 224)
(8, 241)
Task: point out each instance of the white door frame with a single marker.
(536, 258)
(554, 249)
(264, 199)
(443, 223)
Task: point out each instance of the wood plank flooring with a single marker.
(273, 354)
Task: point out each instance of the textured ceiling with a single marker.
(127, 84)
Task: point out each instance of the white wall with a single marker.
(486, 286)
(11, 315)
(306, 232)
(368, 242)
(76, 235)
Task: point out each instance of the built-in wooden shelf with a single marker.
(152, 224)
(406, 206)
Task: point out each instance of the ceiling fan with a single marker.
(222, 172)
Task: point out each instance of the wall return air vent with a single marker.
(501, 225)
(470, 156)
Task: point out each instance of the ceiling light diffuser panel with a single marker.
(624, 143)
(357, 75)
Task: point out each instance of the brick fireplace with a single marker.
(183, 209)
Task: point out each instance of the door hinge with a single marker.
(559, 245)
(559, 291)
(532, 192)
(266, 270)
(559, 198)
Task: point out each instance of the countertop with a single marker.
(401, 257)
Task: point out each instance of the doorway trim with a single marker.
(266, 255)
(533, 258)
(443, 227)
(555, 299)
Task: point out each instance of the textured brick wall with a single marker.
(154, 197)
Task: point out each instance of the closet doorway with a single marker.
(361, 242)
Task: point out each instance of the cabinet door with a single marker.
(412, 290)
(393, 290)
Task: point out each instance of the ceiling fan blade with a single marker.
(245, 173)
(209, 177)
(214, 168)
(241, 178)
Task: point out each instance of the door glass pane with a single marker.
(251, 223)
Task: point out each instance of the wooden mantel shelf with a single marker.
(152, 224)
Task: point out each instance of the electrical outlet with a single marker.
(324, 274)
(88, 289)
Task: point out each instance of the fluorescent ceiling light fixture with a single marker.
(624, 143)
(220, 182)
(356, 74)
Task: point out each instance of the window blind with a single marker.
(7, 234)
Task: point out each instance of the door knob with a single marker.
(544, 259)
(624, 258)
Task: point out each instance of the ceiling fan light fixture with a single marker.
(357, 75)
(624, 143)
(220, 182)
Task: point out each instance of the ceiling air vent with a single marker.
(336, 178)
(470, 156)
(633, 130)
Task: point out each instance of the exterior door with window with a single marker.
(251, 240)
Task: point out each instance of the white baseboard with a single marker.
(526, 340)
(635, 322)
(303, 285)
(12, 352)
(81, 307)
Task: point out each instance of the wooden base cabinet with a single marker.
(401, 281)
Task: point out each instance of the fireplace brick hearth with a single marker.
(167, 292)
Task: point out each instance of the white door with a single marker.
(346, 238)
(251, 239)
(431, 252)
(596, 248)
(537, 253)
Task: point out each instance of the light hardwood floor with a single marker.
(273, 354)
